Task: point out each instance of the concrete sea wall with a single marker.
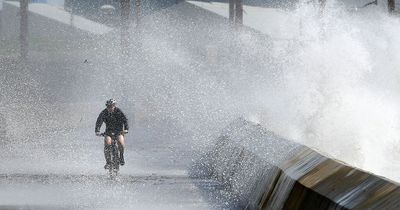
(264, 171)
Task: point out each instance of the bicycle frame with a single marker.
(114, 167)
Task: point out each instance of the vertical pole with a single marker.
(138, 12)
(125, 11)
(1, 20)
(322, 4)
(391, 5)
(71, 19)
(138, 29)
(232, 11)
(23, 30)
(125, 14)
(239, 12)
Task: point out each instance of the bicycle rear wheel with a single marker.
(113, 171)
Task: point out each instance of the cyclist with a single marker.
(116, 122)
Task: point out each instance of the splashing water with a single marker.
(333, 85)
(338, 89)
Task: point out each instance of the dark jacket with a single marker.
(115, 121)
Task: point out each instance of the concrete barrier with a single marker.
(264, 171)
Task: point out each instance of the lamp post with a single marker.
(391, 5)
(138, 28)
(23, 30)
(322, 4)
(236, 12)
(231, 11)
(125, 14)
(239, 13)
(1, 21)
(138, 11)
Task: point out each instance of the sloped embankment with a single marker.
(264, 171)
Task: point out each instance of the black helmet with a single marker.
(111, 102)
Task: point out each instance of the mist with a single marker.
(332, 85)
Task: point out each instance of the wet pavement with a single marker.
(65, 172)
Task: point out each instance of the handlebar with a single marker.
(113, 134)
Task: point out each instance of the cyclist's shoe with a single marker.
(107, 166)
(116, 167)
(121, 160)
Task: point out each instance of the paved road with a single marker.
(50, 157)
(65, 171)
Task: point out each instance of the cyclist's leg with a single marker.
(121, 147)
(107, 140)
(107, 150)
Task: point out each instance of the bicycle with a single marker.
(114, 162)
